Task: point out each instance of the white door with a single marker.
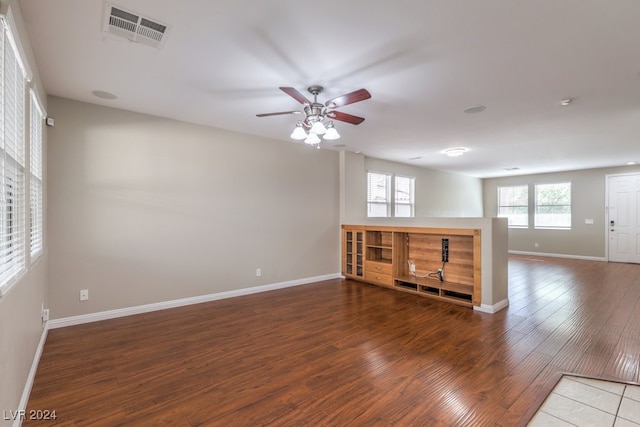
(624, 221)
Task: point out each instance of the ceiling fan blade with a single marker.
(344, 117)
(277, 114)
(349, 98)
(293, 92)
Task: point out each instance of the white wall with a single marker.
(438, 194)
(20, 308)
(145, 210)
(587, 200)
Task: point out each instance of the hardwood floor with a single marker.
(344, 353)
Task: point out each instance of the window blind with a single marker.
(378, 194)
(12, 161)
(405, 196)
(36, 118)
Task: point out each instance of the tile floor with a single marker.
(577, 401)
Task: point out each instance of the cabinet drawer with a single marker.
(378, 278)
(377, 267)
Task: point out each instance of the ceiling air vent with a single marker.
(133, 27)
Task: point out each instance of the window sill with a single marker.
(552, 228)
(4, 290)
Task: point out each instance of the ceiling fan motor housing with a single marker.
(314, 112)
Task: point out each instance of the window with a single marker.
(404, 200)
(513, 203)
(378, 194)
(35, 153)
(12, 161)
(379, 191)
(553, 206)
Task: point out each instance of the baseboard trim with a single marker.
(146, 308)
(551, 255)
(26, 392)
(492, 309)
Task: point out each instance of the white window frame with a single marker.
(388, 199)
(378, 198)
(538, 223)
(400, 198)
(36, 183)
(13, 82)
(503, 209)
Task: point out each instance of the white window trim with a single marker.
(535, 207)
(36, 111)
(388, 202)
(527, 205)
(8, 28)
(391, 204)
(412, 204)
(6, 13)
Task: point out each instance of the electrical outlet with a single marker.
(258, 272)
(412, 267)
(84, 295)
(44, 313)
(536, 245)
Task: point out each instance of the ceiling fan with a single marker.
(315, 114)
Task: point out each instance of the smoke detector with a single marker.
(134, 27)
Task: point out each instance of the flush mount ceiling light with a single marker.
(319, 117)
(455, 151)
(566, 102)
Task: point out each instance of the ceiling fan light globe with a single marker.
(318, 128)
(331, 134)
(312, 139)
(298, 133)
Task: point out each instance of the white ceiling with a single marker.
(424, 62)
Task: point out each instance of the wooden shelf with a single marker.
(379, 246)
(434, 287)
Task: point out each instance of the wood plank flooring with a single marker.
(342, 353)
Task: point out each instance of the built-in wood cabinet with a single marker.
(379, 257)
(353, 252)
(441, 263)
